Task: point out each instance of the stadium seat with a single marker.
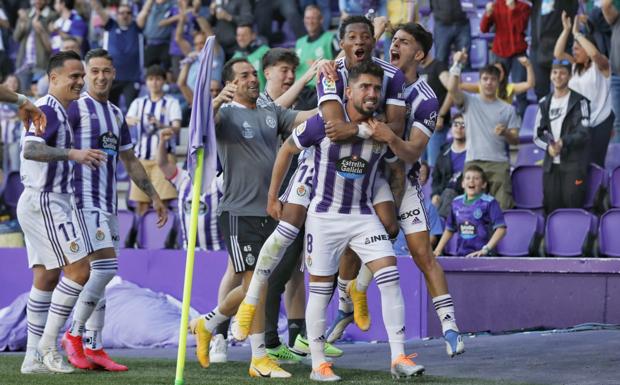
(614, 187)
(470, 77)
(478, 53)
(530, 155)
(527, 188)
(152, 237)
(609, 241)
(570, 233)
(526, 133)
(126, 221)
(524, 232)
(596, 180)
(612, 160)
(13, 189)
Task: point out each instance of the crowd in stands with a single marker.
(512, 78)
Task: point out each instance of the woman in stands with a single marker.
(592, 79)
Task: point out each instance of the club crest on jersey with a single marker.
(478, 213)
(300, 129)
(250, 259)
(377, 147)
(329, 86)
(432, 120)
(309, 261)
(74, 247)
(351, 167)
(99, 235)
(248, 131)
(301, 191)
(271, 121)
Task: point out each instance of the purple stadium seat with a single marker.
(527, 190)
(126, 221)
(596, 179)
(609, 241)
(13, 188)
(530, 155)
(526, 133)
(149, 235)
(569, 233)
(470, 77)
(614, 187)
(525, 229)
(478, 53)
(612, 160)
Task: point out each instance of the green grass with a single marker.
(158, 371)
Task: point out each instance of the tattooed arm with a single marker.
(41, 152)
(138, 175)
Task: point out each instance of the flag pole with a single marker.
(189, 267)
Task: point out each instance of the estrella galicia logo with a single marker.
(108, 143)
(351, 167)
(376, 238)
(467, 230)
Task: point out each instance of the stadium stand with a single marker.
(527, 189)
(580, 224)
(525, 230)
(609, 242)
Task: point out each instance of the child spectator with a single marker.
(476, 217)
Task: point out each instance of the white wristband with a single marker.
(455, 69)
(363, 131)
(21, 99)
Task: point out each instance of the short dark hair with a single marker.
(354, 20)
(276, 55)
(478, 169)
(490, 70)
(365, 68)
(58, 60)
(313, 6)
(69, 4)
(98, 52)
(155, 70)
(228, 74)
(246, 24)
(419, 33)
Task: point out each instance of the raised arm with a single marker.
(101, 12)
(530, 81)
(167, 168)
(287, 99)
(610, 12)
(280, 168)
(601, 61)
(144, 13)
(226, 96)
(187, 92)
(183, 44)
(460, 58)
(559, 51)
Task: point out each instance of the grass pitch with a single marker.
(161, 371)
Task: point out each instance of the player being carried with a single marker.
(357, 42)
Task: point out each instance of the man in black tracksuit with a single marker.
(562, 131)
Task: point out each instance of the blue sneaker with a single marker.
(340, 323)
(454, 343)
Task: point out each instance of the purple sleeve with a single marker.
(496, 215)
(329, 90)
(78, 28)
(395, 90)
(425, 116)
(309, 133)
(126, 142)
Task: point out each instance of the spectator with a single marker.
(249, 47)
(317, 44)
(490, 125)
(11, 127)
(123, 41)
(435, 73)
(448, 171)
(591, 78)
(34, 41)
(475, 216)
(6, 64)
(510, 18)
(507, 91)
(611, 11)
(156, 34)
(546, 26)
(190, 66)
(153, 113)
(226, 15)
(562, 131)
(70, 23)
(265, 10)
(361, 8)
(325, 9)
(451, 27)
(597, 26)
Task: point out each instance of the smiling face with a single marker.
(364, 93)
(357, 43)
(473, 183)
(560, 77)
(247, 81)
(280, 76)
(580, 54)
(66, 82)
(405, 50)
(244, 36)
(100, 75)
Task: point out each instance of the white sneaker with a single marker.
(54, 361)
(218, 351)
(32, 364)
